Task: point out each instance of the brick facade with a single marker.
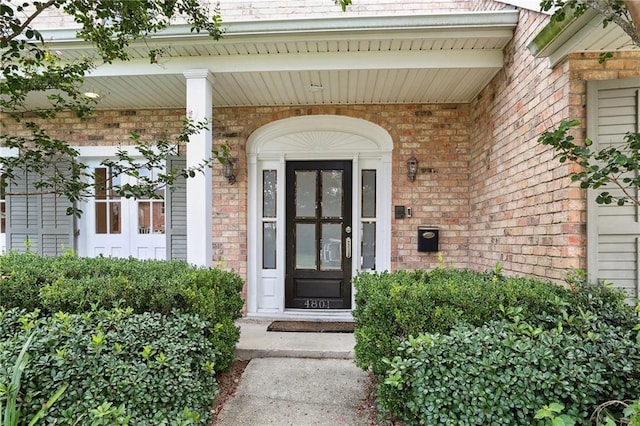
(496, 194)
(525, 213)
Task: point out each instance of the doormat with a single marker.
(312, 327)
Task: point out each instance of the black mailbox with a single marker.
(427, 239)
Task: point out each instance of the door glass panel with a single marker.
(114, 181)
(144, 217)
(268, 245)
(114, 218)
(306, 246)
(332, 193)
(368, 193)
(151, 217)
(101, 183)
(269, 194)
(331, 247)
(158, 216)
(369, 245)
(305, 193)
(107, 211)
(101, 218)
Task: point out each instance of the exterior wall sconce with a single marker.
(412, 168)
(227, 171)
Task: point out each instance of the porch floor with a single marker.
(257, 342)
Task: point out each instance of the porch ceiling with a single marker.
(406, 59)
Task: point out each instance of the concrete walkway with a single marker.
(295, 379)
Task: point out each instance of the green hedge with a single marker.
(390, 307)
(72, 284)
(502, 372)
(158, 369)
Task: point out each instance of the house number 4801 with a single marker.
(316, 304)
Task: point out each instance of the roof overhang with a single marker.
(584, 33)
(346, 60)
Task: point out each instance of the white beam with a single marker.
(199, 188)
(441, 59)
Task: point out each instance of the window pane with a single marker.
(269, 195)
(306, 246)
(331, 247)
(158, 217)
(332, 193)
(305, 193)
(369, 245)
(368, 193)
(269, 245)
(101, 183)
(101, 218)
(113, 181)
(144, 217)
(114, 218)
(144, 173)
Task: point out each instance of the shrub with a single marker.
(502, 372)
(157, 369)
(602, 299)
(72, 284)
(21, 277)
(392, 306)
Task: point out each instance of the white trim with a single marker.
(418, 59)
(106, 151)
(199, 188)
(314, 137)
(9, 152)
(472, 21)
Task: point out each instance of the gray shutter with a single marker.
(613, 232)
(176, 213)
(40, 219)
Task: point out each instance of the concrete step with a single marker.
(257, 342)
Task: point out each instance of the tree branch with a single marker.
(30, 19)
(633, 6)
(627, 25)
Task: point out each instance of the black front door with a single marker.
(319, 235)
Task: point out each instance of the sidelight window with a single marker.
(368, 220)
(269, 203)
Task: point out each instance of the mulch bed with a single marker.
(227, 384)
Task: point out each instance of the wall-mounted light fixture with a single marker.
(412, 168)
(227, 171)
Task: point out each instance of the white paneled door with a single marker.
(122, 227)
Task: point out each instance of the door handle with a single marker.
(348, 247)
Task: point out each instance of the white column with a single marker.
(199, 188)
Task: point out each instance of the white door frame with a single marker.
(314, 137)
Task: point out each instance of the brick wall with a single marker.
(525, 212)
(107, 128)
(436, 134)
